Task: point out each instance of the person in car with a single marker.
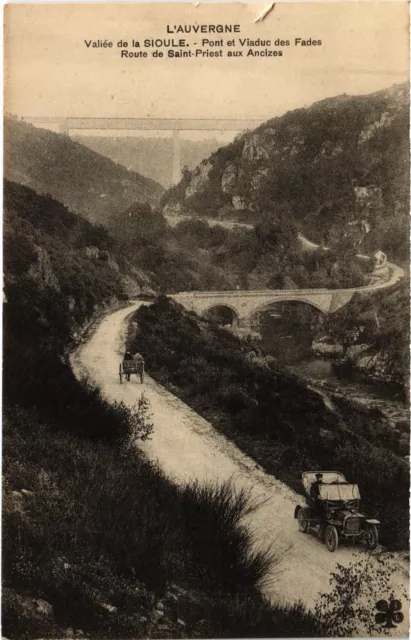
(315, 487)
(318, 504)
(128, 356)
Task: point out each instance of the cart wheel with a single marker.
(331, 538)
(120, 373)
(373, 537)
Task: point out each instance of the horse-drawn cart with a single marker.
(128, 367)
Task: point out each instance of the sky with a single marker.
(50, 72)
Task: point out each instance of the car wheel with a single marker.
(331, 538)
(302, 522)
(373, 536)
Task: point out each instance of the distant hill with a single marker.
(52, 163)
(150, 157)
(339, 169)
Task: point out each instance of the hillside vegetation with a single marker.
(96, 541)
(142, 236)
(339, 168)
(86, 182)
(194, 255)
(269, 256)
(374, 332)
(136, 252)
(269, 413)
(57, 258)
(84, 266)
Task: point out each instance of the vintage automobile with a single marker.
(335, 515)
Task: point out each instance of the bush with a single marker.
(41, 379)
(349, 608)
(212, 518)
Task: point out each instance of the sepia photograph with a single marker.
(206, 296)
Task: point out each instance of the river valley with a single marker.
(290, 344)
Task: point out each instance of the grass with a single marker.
(102, 528)
(216, 512)
(113, 512)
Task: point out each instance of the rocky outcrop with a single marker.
(199, 178)
(41, 271)
(131, 287)
(368, 198)
(255, 149)
(135, 285)
(229, 178)
(239, 203)
(367, 133)
(91, 252)
(377, 365)
(339, 167)
(327, 349)
(139, 275)
(172, 208)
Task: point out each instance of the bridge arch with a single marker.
(265, 306)
(232, 317)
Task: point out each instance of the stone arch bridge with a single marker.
(246, 305)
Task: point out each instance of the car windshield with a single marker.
(343, 492)
(308, 477)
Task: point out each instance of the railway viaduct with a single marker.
(67, 125)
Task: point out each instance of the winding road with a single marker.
(188, 448)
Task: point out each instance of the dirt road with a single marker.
(187, 447)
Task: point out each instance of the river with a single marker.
(290, 344)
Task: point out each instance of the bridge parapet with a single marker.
(245, 304)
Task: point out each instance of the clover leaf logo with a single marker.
(388, 613)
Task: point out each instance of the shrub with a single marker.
(349, 608)
(212, 517)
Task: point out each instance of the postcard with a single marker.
(206, 312)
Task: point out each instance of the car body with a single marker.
(335, 514)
